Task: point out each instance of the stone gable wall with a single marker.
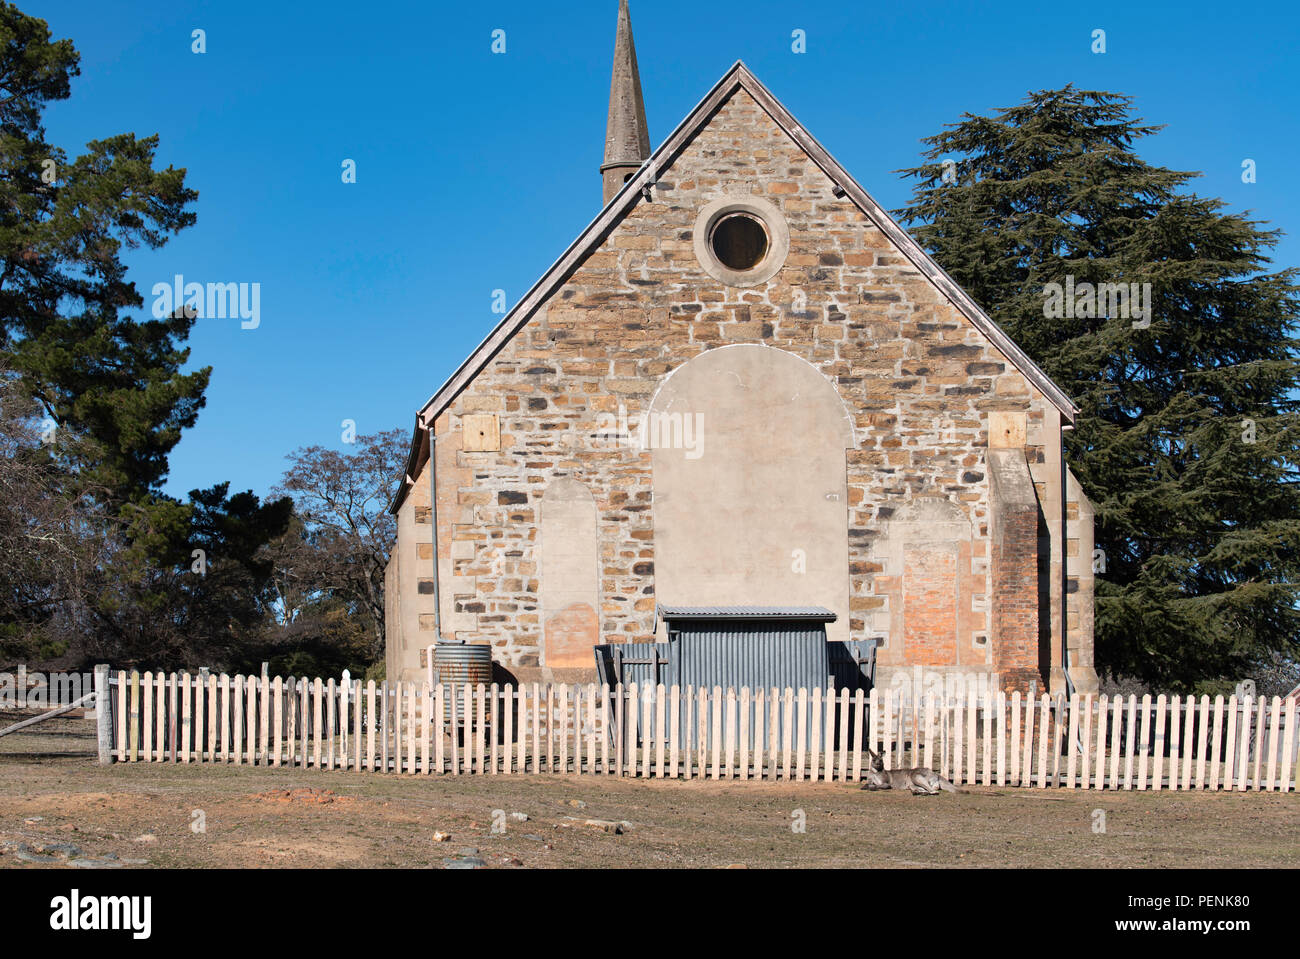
(917, 376)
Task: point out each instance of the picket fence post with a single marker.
(987, 729)
(1216, 769)
(1158, 746)
(1274, 729)
(146, 710)
(1015, 738)
(605, 715)
(1044, 725)
(1230, 744)
(958, 728)
(173, 716)
(1085, 770)
(1001, 733)
(160, 722)
(743, 705)
(972, 733)
(1175, 716)
(1144, 741)
(1288, 743)
(859, 716)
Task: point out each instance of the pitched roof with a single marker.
(736, 78)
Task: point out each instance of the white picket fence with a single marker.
(1086, 742)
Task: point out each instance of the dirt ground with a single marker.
(57, 808)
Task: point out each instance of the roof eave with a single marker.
(747, 613)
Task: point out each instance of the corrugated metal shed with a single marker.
(734, 646)
(738, 646)
(755, 652)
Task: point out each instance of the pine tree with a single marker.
(112, 385)
(63, 288)
(1187, 442)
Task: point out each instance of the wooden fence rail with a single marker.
(1080, 742)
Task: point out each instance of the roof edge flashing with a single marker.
(748, 613)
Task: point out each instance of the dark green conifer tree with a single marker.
(1187, 442)
(113, 384)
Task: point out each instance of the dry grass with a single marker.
(351, 820)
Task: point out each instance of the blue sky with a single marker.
(475, 170)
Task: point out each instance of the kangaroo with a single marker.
(921, 780)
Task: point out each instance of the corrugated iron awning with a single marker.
(807, 613)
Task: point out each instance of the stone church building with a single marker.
(744, 384)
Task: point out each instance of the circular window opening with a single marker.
(739, 241)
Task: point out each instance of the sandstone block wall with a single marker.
(918, 379)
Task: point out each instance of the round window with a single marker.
(739, 241)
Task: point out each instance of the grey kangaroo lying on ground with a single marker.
(921, 780)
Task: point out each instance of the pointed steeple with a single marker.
(627, 139)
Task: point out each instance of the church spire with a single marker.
(627, 140)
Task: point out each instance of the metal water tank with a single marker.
(458, 663)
